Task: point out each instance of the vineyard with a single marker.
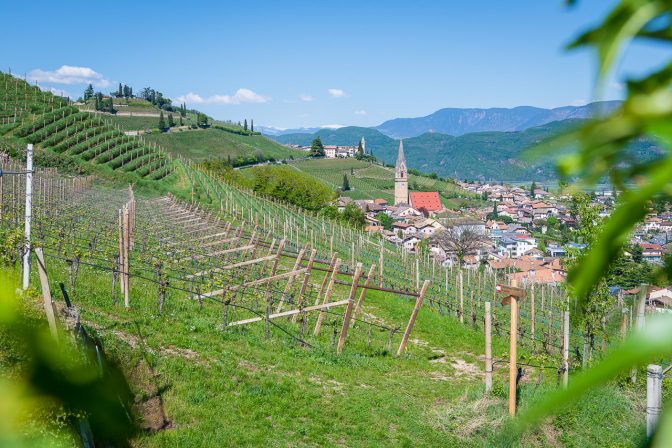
(42, 119)
(369, 181)
(240, 303)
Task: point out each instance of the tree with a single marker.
(637, 253)
(110, 105)
(359, 155)
(493, 215)
(252, 126)
(346, 183)
(162, 122)
(316, 148)
(120, 91)
(181, 121)
(533, 187)
(88, 93)
(353, 216)
(245, 125)
(171, 122)
(460, 241)
(202, 119)
(385, 220)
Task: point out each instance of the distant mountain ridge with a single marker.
(492, 155)
(456, 122)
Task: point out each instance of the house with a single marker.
(555, 250)
(539, 276)
(427, 227)
(404, 212)
(404, 227)
(515, 246)
(660, 299)
(342, 202)
(651, 252)
(410, 242)
(427, 200)
(330, 151)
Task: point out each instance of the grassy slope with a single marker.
(374, 181)
(237, 389)
(215, 143)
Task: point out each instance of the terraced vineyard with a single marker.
(46, 121)
(369, 181)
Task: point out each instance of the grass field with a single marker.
(369, 181)
(236, 388)
(215, 143)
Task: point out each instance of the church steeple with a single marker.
(401, 178)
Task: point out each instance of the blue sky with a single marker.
(316, 63)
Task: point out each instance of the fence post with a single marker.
(565, 350)
(488, 349)
(654, 397)
(29, 206)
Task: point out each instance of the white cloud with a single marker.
(360, 112)
(305, 97)
(67, 74)
(332, 126)
(336, 93)
(57, 92)
(241, 96)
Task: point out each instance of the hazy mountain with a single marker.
(271, 131)
(454, 121)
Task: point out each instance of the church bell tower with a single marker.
(401, 178)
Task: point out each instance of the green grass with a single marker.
(235, 388)
(200, 145)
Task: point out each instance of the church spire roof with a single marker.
(401, 160)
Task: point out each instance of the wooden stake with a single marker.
(488, 349)
(348, 310)
(327, 295)
(513, 355)
(358, 308)
(46, 293)
(411, 321)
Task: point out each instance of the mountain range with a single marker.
(456, 122)
(492, 155)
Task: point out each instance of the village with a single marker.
(524, 232)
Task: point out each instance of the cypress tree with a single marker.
(532, 188)
(181, 121)
(171, 122)
(252, 126)
(162, 122)
(110, 106)
(245, 125)
(346, 183)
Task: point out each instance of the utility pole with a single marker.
(29, 205)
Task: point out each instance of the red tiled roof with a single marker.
(428, 200)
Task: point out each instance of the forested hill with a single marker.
(480, 155)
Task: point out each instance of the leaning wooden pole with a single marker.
(411, 321)
(348, 310)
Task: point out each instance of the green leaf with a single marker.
(619, 28)
(654, 341)
(633, 208)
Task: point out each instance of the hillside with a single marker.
(456, 122)
(214, 143)
(482, 155)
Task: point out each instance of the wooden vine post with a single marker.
(411, 321)
(513, 295)
(488, 348)
(348, 310)
(46, 293)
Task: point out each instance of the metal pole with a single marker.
(29, 204)
(654, 397)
